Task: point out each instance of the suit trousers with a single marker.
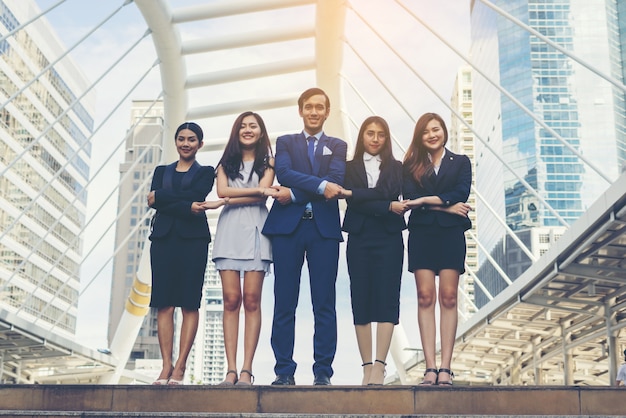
(322, 255)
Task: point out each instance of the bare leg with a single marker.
(448, 291)
(364, 341)
(165, 327)
(426, 297)
(188, 331)
(231, 291)
(384, 331)
(252, 288)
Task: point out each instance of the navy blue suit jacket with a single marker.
(294, 170)
(374, 202)
(452, 185)
(173, 207)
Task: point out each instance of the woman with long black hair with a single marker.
(244, 178)
(374, 222)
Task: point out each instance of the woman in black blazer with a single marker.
(179, 249)
(437, 182)
(374, 222)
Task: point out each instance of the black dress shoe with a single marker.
(321, 380)
(284, 380)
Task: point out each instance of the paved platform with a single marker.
(305, 401)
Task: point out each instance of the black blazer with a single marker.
(173, 206)
(374, 202)
(452, 185)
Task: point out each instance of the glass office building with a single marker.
(586, 111)
(44, 164)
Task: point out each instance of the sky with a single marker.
(74, 18)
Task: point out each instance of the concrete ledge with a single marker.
(309, 400)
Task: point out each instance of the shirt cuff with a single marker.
(322, 187)
(293, 197)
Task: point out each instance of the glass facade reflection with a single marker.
(586, 111)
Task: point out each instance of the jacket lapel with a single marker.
(361, 173)
(321, 163)
(302, 152)
(444, 169)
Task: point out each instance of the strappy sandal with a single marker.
(226, 382)
(445, 382)
(429, 382)
(368, 363)
(384, 373)
(242, 383)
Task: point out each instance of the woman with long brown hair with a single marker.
(436, 185)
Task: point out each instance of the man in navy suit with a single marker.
(304, 222)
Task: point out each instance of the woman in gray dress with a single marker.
(244, 178)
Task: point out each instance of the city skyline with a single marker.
(105, 155)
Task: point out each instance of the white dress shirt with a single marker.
(372, 168)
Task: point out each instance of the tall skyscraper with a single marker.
(461, 141)
(585, 110)
(207, 361)
(142, 154)
(44, 161)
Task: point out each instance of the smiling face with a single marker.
(249, 132)
(433, 137)
(374, 138)
(187, 144)
(314, 112)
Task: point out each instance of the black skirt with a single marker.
(432, 247)
(178, 268)
(375, 267)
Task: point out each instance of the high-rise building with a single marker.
(142, 154)
(44, 166)
(207, 360)
(461, 141)
(586, 111)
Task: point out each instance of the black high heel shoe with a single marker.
(445, 382)
(384, 374)
(368, 363)
(430, 382)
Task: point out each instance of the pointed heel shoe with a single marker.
(384, 374)
(445, 382)
(427, 382)
(242, 383)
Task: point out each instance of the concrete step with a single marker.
(307, 401)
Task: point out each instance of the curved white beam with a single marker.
(330, 23)
(224, 8)
(250, 72)
(173, 72)
(244, 39)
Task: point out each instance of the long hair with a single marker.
(416, 160)
(386, 179)
(232, 158)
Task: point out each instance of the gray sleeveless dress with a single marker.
(238, 243)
